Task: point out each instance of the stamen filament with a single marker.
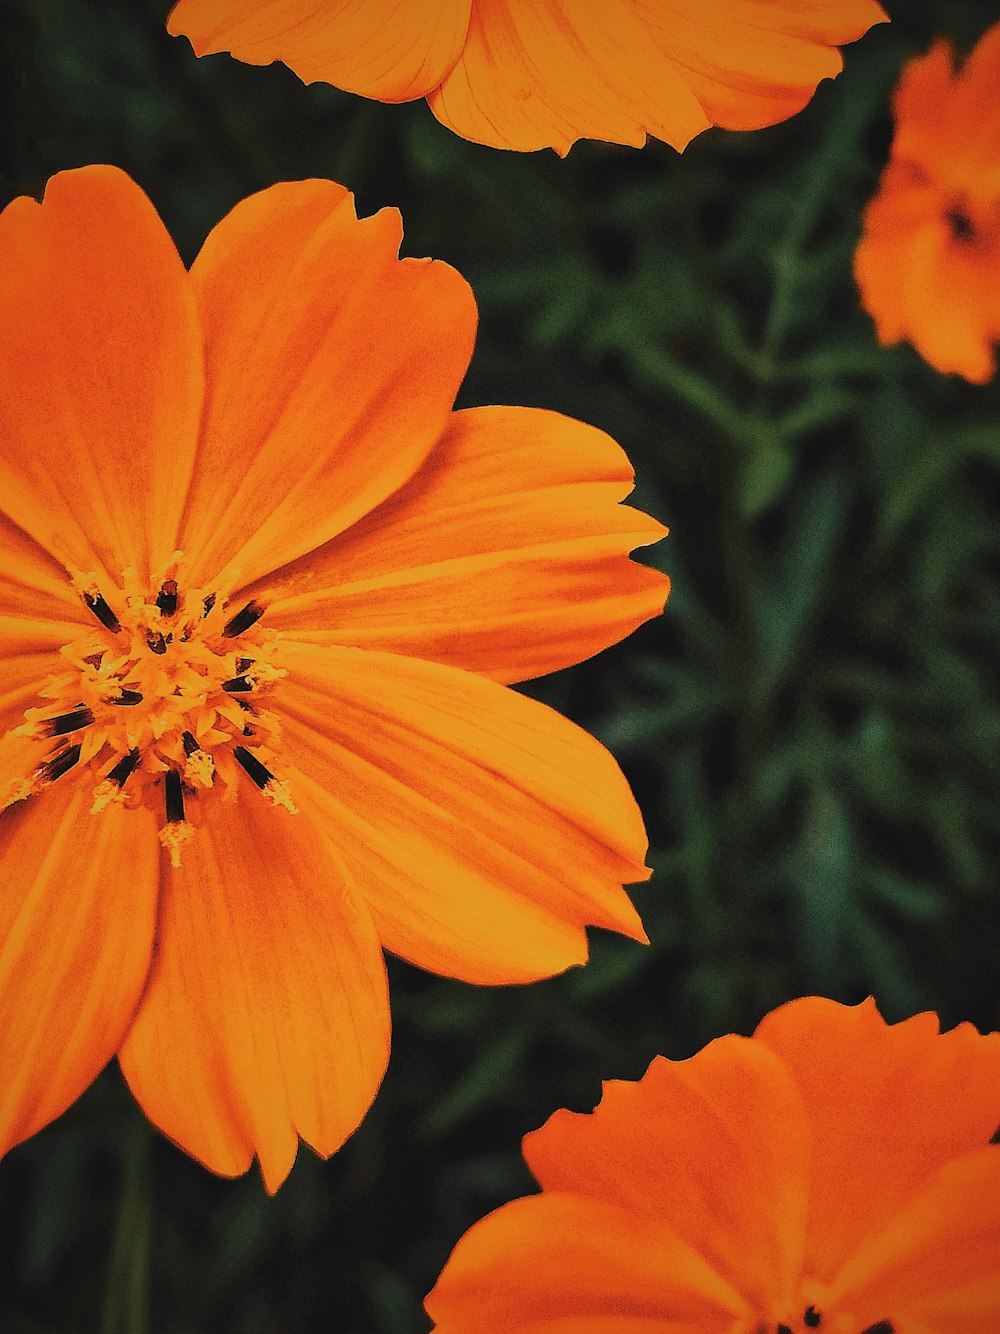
(174, 791)
(95, 601)
(127, 697)
(237, 685)
(157, 643)
(260, 773)
(125, 767)
(243, 620)
(166, 599)
(68, 722)
(57, 765)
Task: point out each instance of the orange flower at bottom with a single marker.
(831, 1173)
(261, 595)
(928, 262)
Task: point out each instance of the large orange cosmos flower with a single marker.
(928, 263)
(259, 590)
(529, 74)
(831, 1173)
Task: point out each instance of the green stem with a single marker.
(126, 1295)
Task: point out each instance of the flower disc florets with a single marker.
(161, 701)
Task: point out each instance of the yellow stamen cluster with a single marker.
(165, 699)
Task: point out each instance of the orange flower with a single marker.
(260, 589)
(528, 74)
(928, 263)
(831, 1173)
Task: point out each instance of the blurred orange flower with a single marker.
(928, 263)
(529, 74)
(260, 593)
(831, 1173)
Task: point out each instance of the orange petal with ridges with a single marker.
(393, 50)
(715, 1148)
(583, 1266)
(39, 613)
(507, 554)
(100, 373)
(751, 63)
(935, 1267)
(485, 830)
(76, 936)
(332, 367)
(266, 1016)
(895, 1080)
(544, 75)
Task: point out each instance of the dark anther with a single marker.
(243, 663)
(246, 706)
(961, 225)
(208, 603)
(175, 797)
(126, 765)
(995, 1137)
(103, 612)
(68, 722)
(166, 599)
(783, 1329)
(189, 743)
(57, 765)
(242, 621)
(157, 643)
(236, 684)
(812, 1318)
(260, 773)
(883, 1327)
(248, 730)
(128, 697)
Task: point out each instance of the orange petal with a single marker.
(924, 92)
(888, 1105)
(485, 830)
(390, 49)
(935, 1267)
(583, 1266)
(974, 122)
(507, 554)
(952, 303)
(332, 367)
(715, 1148)
(39, 613)
(751, 63)
(76, 936)
(266, 1015)
(101, 383)
(535, 75)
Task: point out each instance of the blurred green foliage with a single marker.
(812, 728)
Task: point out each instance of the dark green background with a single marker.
(812, 728)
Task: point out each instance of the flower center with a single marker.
(812, 1318)
(165, 700)
(962, 227)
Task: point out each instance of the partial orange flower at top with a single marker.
(261, 591)
(527, 74)
(832, 1173)
(928, 263)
